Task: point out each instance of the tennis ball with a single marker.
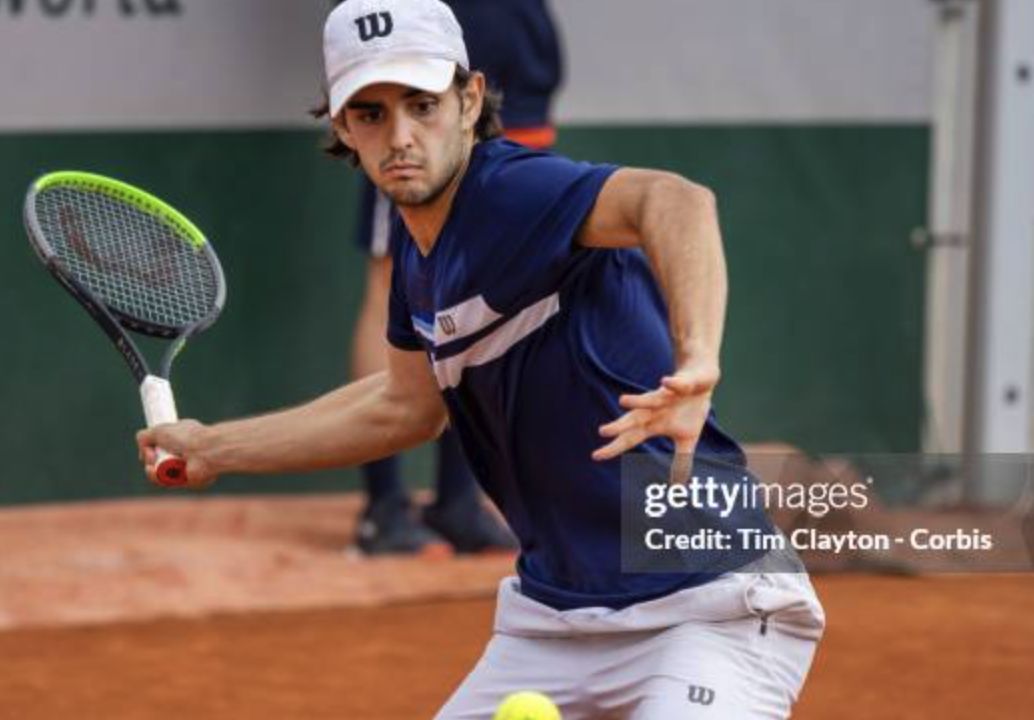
(527, 705)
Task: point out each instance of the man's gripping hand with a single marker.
(677, 409)
(186, 439)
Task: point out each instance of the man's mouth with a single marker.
(401, 167)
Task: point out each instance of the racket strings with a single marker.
(133, 261)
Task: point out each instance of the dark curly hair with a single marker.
(488, 125)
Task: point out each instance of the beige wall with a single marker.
(244, 63)
(747, 60)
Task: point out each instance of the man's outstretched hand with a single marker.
(677, 409)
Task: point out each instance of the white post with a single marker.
(949, 232)
(999, 396)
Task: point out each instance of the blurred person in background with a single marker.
(515, 43)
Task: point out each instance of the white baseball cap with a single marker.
(417, 43)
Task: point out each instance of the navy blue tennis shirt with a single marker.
(533, 338)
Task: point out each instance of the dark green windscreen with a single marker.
(823, 341)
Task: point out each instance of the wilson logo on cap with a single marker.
(416, 43)
(371, 26)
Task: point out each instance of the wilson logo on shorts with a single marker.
(701, 695)
(447, 324)
(370, 26)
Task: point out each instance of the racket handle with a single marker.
(170, 469)
(160, 408)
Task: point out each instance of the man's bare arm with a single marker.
(676, 223)
(362, 421)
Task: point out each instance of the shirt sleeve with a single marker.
(541, 201)
(400, 323)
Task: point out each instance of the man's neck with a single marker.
(425, 222)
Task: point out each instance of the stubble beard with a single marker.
(416, 197)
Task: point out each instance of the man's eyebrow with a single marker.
(371, 105)
(360, 105)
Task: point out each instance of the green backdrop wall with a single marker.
(823, 347)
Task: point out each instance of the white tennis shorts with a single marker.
(736, 648)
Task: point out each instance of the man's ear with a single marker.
(472, 97)
(340, 126)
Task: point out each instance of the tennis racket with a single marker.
(135, 264)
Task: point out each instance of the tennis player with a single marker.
(559, 314)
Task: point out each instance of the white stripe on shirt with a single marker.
(449, 371)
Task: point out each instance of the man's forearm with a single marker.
(680, 234)
(356, 423)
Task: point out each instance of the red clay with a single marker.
(939, 647)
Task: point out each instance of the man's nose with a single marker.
(401, 132)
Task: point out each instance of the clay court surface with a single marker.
(389, 640)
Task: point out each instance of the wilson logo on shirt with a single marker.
(448, 324)
(700, 695)
(462, 320)
(374, 25)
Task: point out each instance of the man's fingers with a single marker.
(686, 446)
(608, 451)
(681, 466)
(684, 385)
(647, 401)
(144, 439)
(668, 410)
(625, 441)
(623, 424)
(148, 441)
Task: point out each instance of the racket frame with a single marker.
(155, 391)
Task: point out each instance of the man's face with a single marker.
(410, 143)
